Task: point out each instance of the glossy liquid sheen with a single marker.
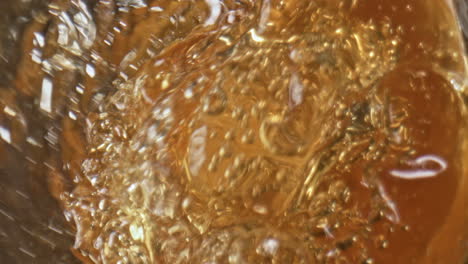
(325, 131)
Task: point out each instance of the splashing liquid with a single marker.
(325, 131)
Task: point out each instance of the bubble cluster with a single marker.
(236, 141)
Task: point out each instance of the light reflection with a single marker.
(137, 3)
(296, 90)
(255, 36)
(197, 150)
(156, 9)
(188, 93)
(265, 14)
(36, 56)
(39, 39)
(457, 81)
(215, 11)
(389, 202)
(9, 111)
(137, 232)
(421, 173)
(46, 95)
(90, 70)
(5, 134)
(62, 38)
(72, 115)
(270, 246)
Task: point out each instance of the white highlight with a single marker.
(9, 111)
(39, 38)
(36, 56)
(159, 62)
(255, 36)
(62, 34)
(90, 70)
(197, 149)
(231, 18)
(188, 93)
(270, 246)
(215, 11)
(33, 142)
(72, 115)
(421, 173)
(396, 217)
(5, 134)
(137, 232)
(156, 9)
(79, 89)
(296, 90)
(46, 95)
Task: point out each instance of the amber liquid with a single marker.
(252, 131)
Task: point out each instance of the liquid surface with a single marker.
(327, 131)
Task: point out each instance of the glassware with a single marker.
(36, 199)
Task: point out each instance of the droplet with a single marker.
(248, 137)
(277, 138)
(225, 151)
(215, 102)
